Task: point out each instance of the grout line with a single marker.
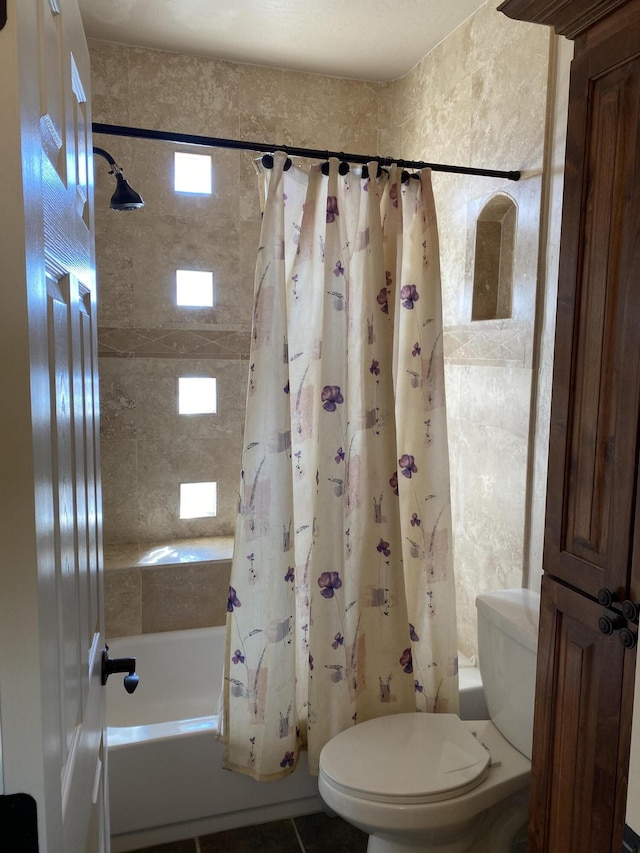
(295, 829)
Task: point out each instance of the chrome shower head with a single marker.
(125, 197)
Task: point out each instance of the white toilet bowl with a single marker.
(432, 783)
(375, 776)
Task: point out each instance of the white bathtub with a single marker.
(165, 776)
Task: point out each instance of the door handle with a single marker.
(111, 665)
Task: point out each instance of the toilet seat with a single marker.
(406, 759)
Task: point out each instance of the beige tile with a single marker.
(154, 247)
(261, 91)
(122, 593)
(164, 465)
(120, 490)
(109, 82)
(118, 404)
(199, 95)
(249, 197)
(507, 123)
(186, 596)
(497, 397)
(152, 163)
(491, 32)
(156, 392)
(122, 556)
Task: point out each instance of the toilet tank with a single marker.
(507, 646)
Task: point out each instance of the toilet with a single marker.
(433, 783)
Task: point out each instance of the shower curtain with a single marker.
(342, 604)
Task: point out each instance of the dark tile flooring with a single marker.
(313, 833)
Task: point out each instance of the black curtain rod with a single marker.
(315, 153)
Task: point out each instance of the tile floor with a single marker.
(313, 833)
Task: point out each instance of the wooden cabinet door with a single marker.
(584, 690)
(596, 396)
(584, 695)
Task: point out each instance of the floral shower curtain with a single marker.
(342, 604)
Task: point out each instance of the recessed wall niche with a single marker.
(493, 259)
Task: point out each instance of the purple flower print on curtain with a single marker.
(328, 582)
(408, 465)
(383, 548)
(332, 208)
(338, 640)
(232, 600)
(406, 661)
(409, 295)
(341, 537)
(331, 396)
(383, 300)
(287, 761)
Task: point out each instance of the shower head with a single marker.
(125, 197)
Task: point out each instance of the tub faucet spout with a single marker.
(128, 665)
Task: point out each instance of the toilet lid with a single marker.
(406, 758)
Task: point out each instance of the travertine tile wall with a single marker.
(146, 341)
(480, 99)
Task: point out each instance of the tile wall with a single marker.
(146, 342)
(479, 98)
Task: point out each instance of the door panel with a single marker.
(51, 593)
(584, 695)
(594, 431)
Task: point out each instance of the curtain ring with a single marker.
(267, 161)
(343, 167)
(287, 164)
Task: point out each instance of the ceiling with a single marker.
(365, 39)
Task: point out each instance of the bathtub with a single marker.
(164, 763)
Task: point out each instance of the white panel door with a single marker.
(52, 707)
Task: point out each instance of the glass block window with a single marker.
(192, 173)
(194, 288)
(197, 395)
(198, 500)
